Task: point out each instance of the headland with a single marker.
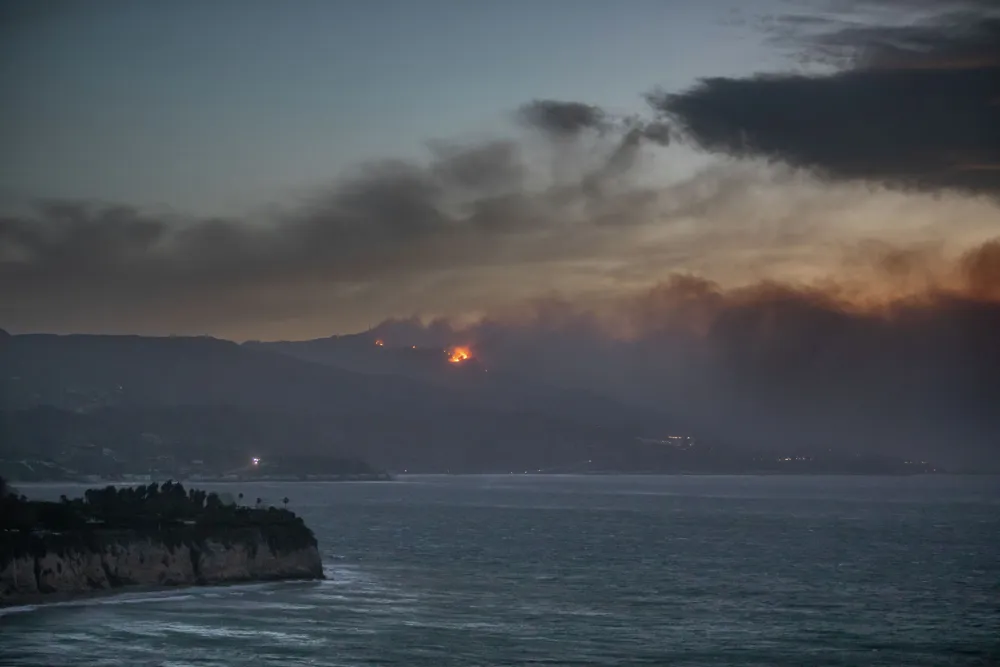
(151, 536)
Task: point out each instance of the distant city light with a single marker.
(255, 461)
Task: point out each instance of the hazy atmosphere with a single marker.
(795, 223)
(444, 333)
(181, 170)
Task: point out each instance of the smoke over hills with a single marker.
(774, 364)
(832, 275)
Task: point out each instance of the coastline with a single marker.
(40, 599)
(146, 479)
(38, 568)
(126, 537)
(403, 476)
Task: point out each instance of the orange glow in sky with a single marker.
(459, 354)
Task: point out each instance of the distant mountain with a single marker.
(126, 404)
(179, 442)
(363, 353)
(133, 439)
(175, 441)
(87, 372)
(222, 399)
(471, 378)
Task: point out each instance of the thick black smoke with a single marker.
(775, 365)
(470, 206)
(566, 119)
(916, 103)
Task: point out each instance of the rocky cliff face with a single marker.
(103, 562)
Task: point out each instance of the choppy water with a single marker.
(582, 571)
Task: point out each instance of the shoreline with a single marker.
(186, 481)
(401, 476)
(135, 537)
(89, 566)
(36, 600)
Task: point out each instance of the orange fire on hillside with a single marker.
(459, 354)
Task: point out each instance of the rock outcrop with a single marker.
(64, 565)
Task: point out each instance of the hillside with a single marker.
(473, 379)
(68, 398)
(113, 406)
(86, 372)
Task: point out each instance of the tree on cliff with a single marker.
(199, 498)
(214, 502)
(133, 508)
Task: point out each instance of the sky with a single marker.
(260, 170)
(217, 108)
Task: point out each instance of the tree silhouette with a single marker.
(285, 500)
(136, 508)
(213, 502)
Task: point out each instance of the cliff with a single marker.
(97, 562)
(221, 545)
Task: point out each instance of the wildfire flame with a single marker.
(459, 354)
(379, 342)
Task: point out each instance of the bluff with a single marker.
(59, 550)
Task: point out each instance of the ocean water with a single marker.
(523, 570)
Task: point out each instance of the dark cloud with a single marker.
(469, 206)
(495, 166)
(930, 35)
(567, 120)
(916, 106)
(656, 132)
(563, 119)
(402, 238)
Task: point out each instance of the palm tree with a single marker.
(285, 500)
(259, 501)
(240, 497)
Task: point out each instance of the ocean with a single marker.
(579, 570)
